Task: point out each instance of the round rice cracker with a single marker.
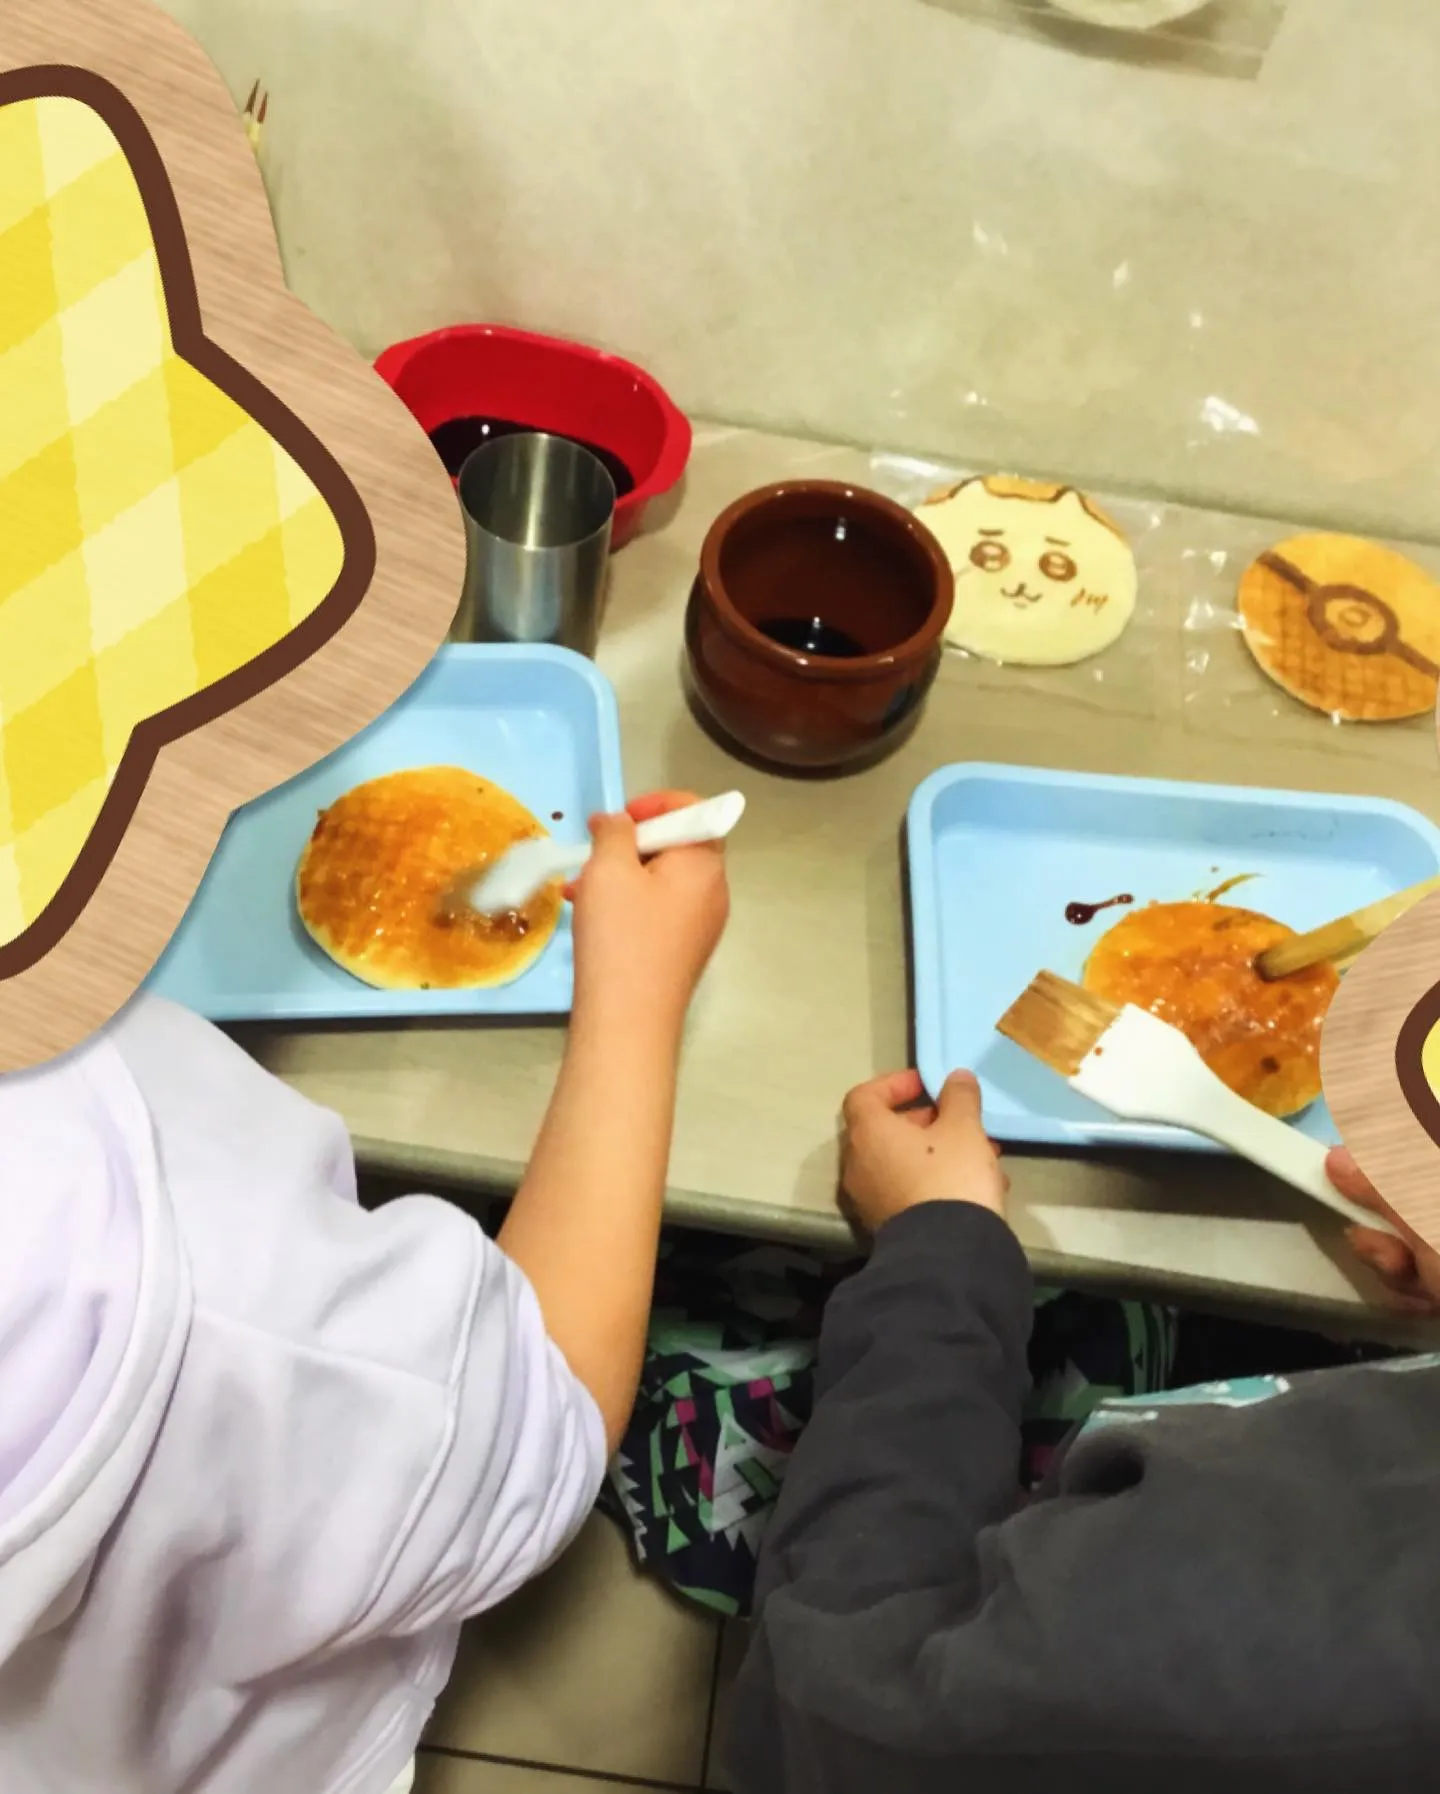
(1347, 626)
(1192, 964)
(1042, 575)
(372, 883)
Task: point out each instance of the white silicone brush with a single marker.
(1141, 1068)
(529, 866)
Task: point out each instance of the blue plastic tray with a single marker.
(542, 722)
(997, 853)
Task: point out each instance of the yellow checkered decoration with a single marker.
(153, 537)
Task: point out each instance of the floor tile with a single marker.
(593, 1667)
(466, 1775)
(734, 1640)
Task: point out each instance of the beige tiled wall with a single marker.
(883, 221)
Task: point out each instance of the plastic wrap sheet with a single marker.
(1184, 647)
(1211, 37)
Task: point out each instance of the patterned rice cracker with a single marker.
(1346, 626)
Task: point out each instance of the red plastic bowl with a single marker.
(483, 370)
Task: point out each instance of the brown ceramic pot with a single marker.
(814, 628)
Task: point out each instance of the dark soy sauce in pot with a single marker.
(457, 439)
(826, 586)
(811, 635)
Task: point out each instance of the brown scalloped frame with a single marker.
(231, 316)
(1370, 1065)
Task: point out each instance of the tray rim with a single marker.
(433, 1006)
(1105, 1133)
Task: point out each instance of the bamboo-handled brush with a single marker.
(1343, 940)
(253, 116)
(1141, 1068)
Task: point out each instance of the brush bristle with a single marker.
(1057, 1022)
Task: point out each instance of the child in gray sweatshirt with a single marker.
(1230, 1588)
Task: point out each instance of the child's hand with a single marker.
(899, 1151)
(645, 930)
(1409, 1267)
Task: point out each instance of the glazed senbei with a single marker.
(372, 882)
(1193, 965)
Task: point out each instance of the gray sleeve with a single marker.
(1213, 1598)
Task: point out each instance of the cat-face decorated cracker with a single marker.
(1042, 576)
(225, 546)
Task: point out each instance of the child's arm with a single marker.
(915, 1440)
(586, 1219)
(1225, 1596)
(392, 1370)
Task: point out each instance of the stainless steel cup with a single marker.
(538, 511)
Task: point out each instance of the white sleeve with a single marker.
(388, 1439)
(519, 1463)
(448, 1463)
(408, 1457)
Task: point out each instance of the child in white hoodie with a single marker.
(261, 1451)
